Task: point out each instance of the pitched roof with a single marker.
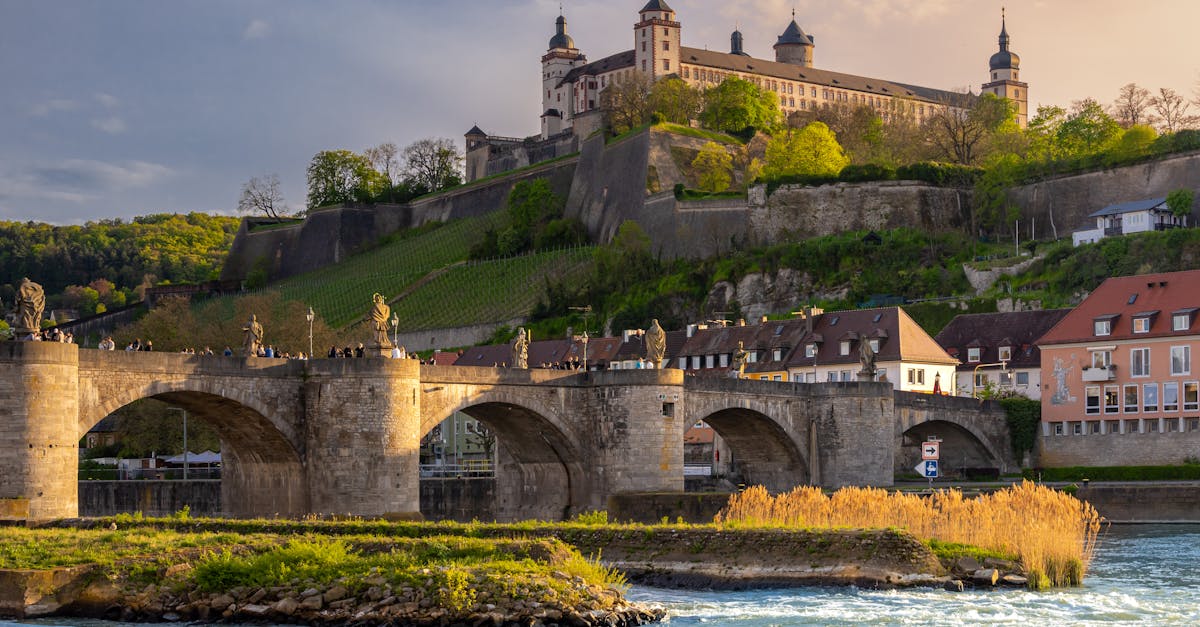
(1120, 299)
(793, 35)
(656, 5)
(1130, 207)
(738, 63)
(900, 338)
(989, 331)
(607, 64)
(475, 130)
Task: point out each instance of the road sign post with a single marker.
(928, 468)
(931, 449)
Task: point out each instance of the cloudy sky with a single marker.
(127, 107)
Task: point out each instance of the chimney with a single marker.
(741, 322)
(691, 330)
(809, 312)
(763, 321)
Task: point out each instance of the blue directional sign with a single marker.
(928, 468)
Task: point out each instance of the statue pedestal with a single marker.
(378, 351)
(866, 376)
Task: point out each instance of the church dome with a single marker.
(561, 39)
(1005, 60)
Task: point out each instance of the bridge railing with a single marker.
(148, 474)
(477, 470)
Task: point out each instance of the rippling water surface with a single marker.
(1142, 574)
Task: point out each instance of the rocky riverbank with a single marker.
(306, 602)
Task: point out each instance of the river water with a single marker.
(1142, 574)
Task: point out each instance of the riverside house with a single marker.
(998, 350)
(1118, 382)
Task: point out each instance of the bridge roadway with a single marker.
(341, 436)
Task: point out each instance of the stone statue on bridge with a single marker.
(253, 337)
(656, 344)
(31, 302)
(520, 350)
(379, 319)
(740, 357)
(866, 357)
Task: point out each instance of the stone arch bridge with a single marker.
(342, 436)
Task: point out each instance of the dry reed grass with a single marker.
(1053, 534)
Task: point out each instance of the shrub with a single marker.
(867, 172)
(1054, 534)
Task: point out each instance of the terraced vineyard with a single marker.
(435, 285)
(488, 291)
(341, 293)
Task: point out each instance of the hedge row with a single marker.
(932, 172)
(1116, 473)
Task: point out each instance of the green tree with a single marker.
(1042, 132)
(675, 100)
(1179, 201)
(993, 209)
(1135, 141)
(340, 176)
(736, 105)
(625, 103)
(433, 163)
(810, 151)
(1087, 130)
(714, 165)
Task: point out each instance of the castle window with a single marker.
(1016, 93)
(666, 45)
(643, 65)
(666, 65)
(643, 46)
(666, 32)
(814, 93)
(993, 76)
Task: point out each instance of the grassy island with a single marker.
(332, 572)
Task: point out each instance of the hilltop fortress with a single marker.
(571, 85)
(607, 182)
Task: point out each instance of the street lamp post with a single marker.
(185, 444)
(975, 375)
(586, 310)
(310, 316)
(395, 330)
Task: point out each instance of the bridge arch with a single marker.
(963, 446)
(262, 468)
(766, 450)
(541, 468)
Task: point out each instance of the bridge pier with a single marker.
(362, 437)
(39, 450)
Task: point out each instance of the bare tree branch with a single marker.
(262, 194)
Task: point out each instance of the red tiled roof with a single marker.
(989, 331)
(1121, 299)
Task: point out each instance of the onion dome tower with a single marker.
(1005, 72)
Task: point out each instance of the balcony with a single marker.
(1098, 374)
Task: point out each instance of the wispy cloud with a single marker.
(112, 125)
(78, 180)
(256, 29)
(108, 100)
(43, 109)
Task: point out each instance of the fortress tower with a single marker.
(793, 46)
(1005, 82)
(656, 40)
(560, 58)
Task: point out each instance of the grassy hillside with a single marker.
(341, 293)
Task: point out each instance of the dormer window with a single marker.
(1182, 320)
(844, 347)
(973, 355)
(1102, 325)
(777, 354)
(1005, 353)
(875, 345)
(810, 350)
(1141, 325)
